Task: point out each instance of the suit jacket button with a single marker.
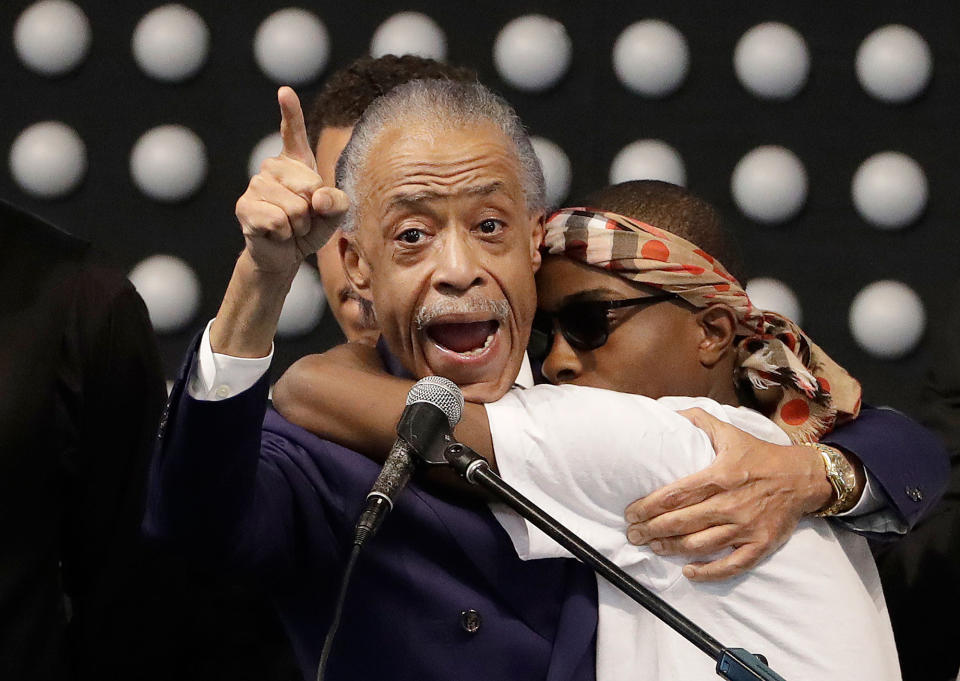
(914, 493)
(470, 621)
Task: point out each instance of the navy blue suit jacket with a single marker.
(235, 483)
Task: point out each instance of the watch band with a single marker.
(842, 477)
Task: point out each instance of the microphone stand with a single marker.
(736, 664)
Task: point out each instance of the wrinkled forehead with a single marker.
(432, 160)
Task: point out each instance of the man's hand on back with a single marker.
(286, 213)
(751, 499)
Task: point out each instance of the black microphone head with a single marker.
(442, 393)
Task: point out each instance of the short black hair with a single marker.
(674, 209)
(349, 91)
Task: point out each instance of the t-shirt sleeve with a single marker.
(583, 455)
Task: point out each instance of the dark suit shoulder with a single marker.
(280, 435)
(36, 239)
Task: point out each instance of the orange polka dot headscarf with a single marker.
(795, 382)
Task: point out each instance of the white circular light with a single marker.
(409, 33)
(268, 147)
(887, 319)
(648, 160)
(48, 159)
(651, 58)
(303, 305)
(171, 42)
(894, 63)
(772, 61)
(168, 163)
(890, 190)
(532, 52)
(769, 184)
(775, 296)
(52, 37)
(170, 289)
(291, 46)
(556, 169)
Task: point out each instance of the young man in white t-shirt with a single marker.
(649, 316)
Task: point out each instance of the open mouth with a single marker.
(464, 338)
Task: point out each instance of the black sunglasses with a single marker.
(583, 323)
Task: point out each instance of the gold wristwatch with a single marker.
(841, 475)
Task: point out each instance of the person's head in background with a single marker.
(330, 119)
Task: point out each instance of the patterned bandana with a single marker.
(795, 383)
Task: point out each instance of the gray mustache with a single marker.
(499, 309)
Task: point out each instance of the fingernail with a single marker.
(635, 537)
(689, 572)
(656, 546)
(324, 202)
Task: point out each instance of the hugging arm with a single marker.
(346, 396)
(753, 495)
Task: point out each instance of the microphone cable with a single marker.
(338, 610)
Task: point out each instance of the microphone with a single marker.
(434, 406)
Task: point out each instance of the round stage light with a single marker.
(292, 46)
(409, 33)
(769, 184)
(168, 163)
(556, 169)
(303, 305)
(772, 61)
(532, 52)
(887, 319)
(268, 147)
(48, 160)
(773, 295)
(170, 43)
(170, 289)
(894, 64)
(889, 190)
(648, 160)
(651, 58)
(52, 37)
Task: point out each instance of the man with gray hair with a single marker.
(443, 234)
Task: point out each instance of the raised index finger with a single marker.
(293, 129)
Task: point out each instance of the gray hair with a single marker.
(443, 105)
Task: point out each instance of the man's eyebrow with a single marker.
(408, 199)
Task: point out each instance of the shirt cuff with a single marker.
(215, 376)
(873, 514)
(869, 502)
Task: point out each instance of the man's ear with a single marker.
(718, 329)
(355, 264)
(536, 241)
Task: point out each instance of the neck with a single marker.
(720, 384)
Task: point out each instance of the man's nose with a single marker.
(563, 363)
(459, 263)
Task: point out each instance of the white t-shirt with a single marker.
(814, 608)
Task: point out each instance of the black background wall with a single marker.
(826, 254)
